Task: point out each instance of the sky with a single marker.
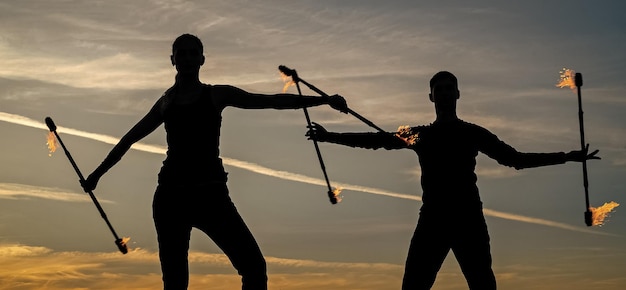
(96, 67)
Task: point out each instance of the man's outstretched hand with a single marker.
(316, 132)
(581, 155)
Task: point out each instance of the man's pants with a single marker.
(434, 236)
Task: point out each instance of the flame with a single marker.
(123, 244)
(287, 80)
(337, 192)
(567, 79)
(406, 133)
(598, 214)
(52, 143)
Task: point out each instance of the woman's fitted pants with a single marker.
(176, 210)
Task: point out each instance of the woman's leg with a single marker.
(220, 220)
(173, 232)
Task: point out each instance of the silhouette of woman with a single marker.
(192, 190)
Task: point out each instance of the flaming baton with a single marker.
(333, 194)
(578, 81)
(295, 79)
(119, 242)
(593, 216)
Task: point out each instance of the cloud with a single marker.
(120, 70)
(15, 250)
(16, 119)
(486, 171)
(34, 267)
(26, 267)
(22, 191)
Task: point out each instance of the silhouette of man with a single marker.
(192, 189)
(451, 216)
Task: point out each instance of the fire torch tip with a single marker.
(332, 197)
(121, 245)
(51, 124)
(287, 71)
(588, 218)
(578, 79)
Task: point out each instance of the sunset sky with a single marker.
(96, 67)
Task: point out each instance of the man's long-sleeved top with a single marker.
(447, 156)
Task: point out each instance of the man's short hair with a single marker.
(443, 75)
(187, 36)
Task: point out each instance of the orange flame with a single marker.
(52, 143)
(337, 192)
(567, 79)
(287, 80)
(123, 244)
(598, 214)
(406, 133)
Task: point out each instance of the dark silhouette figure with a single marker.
(451, 216)
(192, 190)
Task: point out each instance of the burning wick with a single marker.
(405, 133)
(598, 214)
(567, 79)
(287, 80)
(122, 244)
(52, 143)
(336, 193)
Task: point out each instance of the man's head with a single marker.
(444, 90)
(187, 53)
(443, 76)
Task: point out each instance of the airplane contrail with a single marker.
(285, 175)
(17, 191)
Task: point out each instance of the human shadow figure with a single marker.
(192, 189)
(451, 217)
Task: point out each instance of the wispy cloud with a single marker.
(26, 267)
(22, 191)
(120, 70)
(35, 267)
(16, 119)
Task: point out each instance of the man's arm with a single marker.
(366, 140)
(225, 96)
(508, 156)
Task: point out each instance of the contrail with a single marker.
(17, 191)
(21, 120)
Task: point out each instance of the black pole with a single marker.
(119, 242)
(578, 79)
(290, 72)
